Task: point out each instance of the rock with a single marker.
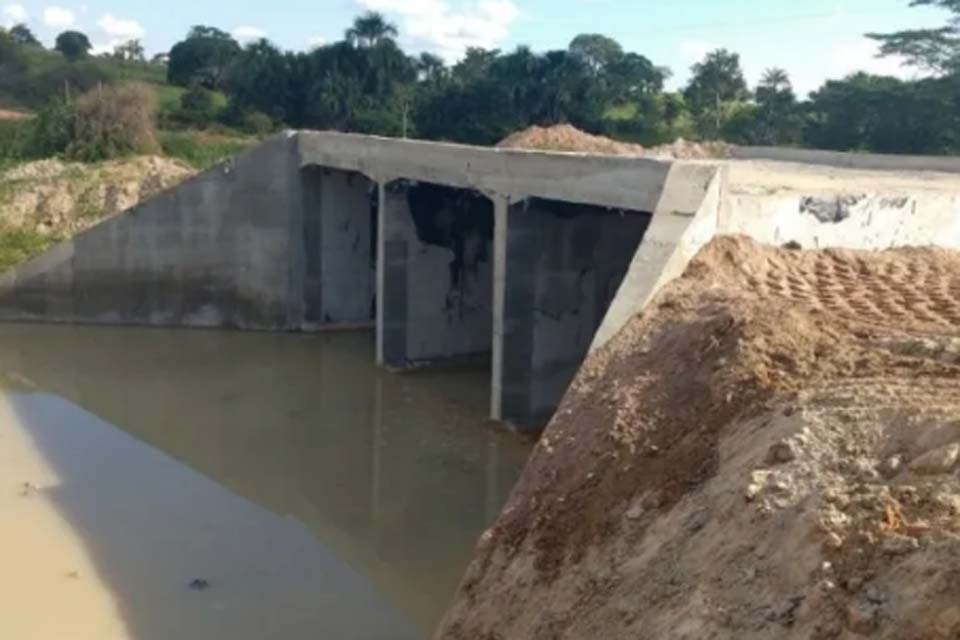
(898, 545)
(862, 617)
(758, 482)
(938, 461)
(782, 452)
(891, 466)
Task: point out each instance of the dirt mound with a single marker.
(59, 199)
(567, 138)
(770, 451)
(9, 114)
(570, 139)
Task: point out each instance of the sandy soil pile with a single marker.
(58, 198)
(770, 451)
(9, 114)
(568, 138)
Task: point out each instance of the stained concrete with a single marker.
(438, 273)
(339, 286)
(563, 264)
(223, 249)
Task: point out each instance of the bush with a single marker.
(198, 108)
(110, 122)
(51, 131)
(256, 123)
(14, 140)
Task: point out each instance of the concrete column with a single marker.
(501, 210)
(391, 278)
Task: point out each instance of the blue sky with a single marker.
(814, 39)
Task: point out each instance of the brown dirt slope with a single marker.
(567, 138)
(770, 451)
(59, 199)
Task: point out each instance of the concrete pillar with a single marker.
(435, 275)
(501, 209)
(391, 278)
(557, 268)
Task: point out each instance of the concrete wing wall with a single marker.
(218, 250)
(684, 221)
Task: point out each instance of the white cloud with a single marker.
(58, 17)
(437, 26)
(14, 14)
(248, 33)
(120, 28)
(316, 41)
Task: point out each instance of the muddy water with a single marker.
(182, 484)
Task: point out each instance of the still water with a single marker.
(163, 484)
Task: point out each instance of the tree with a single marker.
(22, 35)
(777, 118)
(204, 56)
(885, 114)
(259, 80)
(73, 45)
(934, 49)
(716, 80)
(431, 68)
(597, 51)
(130, 51)
(371, 29)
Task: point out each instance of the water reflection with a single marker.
(396, 474)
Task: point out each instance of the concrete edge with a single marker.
(849, 160)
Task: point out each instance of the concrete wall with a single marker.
(563, 264)
(684, 220)
(220, 250)
(777, 204)
(848, 160)
(340, 266)
(437, 278)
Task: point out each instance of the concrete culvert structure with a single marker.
(525, 259)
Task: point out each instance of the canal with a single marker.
(161, 484)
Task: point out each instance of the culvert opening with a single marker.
(438, 275)
(565, 263)
(339, 242)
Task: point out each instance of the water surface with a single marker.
(163, 484)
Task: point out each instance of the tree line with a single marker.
(366, 83)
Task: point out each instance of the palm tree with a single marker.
(371, 29)
(775, 79)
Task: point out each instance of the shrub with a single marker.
(51, 131)
(109, 122)
(198, 107)
(256, 123)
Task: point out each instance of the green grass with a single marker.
(201, 150)
(16, 246)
